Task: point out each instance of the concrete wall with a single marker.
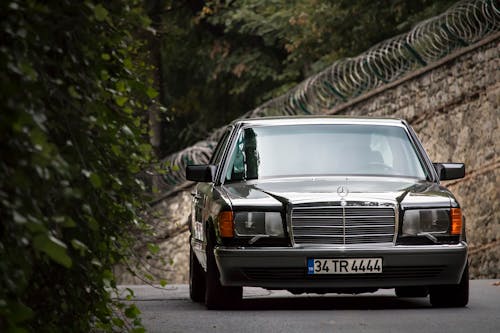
(453, 106)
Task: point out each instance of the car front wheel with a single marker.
(218, 296)
(451, 295)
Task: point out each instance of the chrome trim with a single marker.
(396, 225)
(343, 223)
(344, 236)
(340, 217)
(352, 205)
(288, 213)
(315, 231)
(354, 226)
(325, 120)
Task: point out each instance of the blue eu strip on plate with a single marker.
(310, 266)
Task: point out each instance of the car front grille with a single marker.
(342, 225)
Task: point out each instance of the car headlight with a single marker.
(258, 223)
(432, 221)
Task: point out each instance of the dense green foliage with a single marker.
(224, 58)
(73, 92)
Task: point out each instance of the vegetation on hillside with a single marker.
(221, 59)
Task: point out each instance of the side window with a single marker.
(219, 149)
(236, 171)
(245, 158)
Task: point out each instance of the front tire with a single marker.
(451, 295)
(196, 278)
(218, 296)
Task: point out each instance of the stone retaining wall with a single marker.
(455, 111)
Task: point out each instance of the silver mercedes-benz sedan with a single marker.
(325, 204)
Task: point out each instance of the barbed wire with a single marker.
(464, 23)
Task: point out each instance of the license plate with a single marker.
(344, 266)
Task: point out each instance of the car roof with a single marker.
(318, 120)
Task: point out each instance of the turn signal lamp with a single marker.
(226, 222)
(456, 221)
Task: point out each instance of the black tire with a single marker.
(451, 295)
(412, 291)
(218, 296)
(196, 278)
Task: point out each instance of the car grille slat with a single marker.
(342, 225)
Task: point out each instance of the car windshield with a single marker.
(323, 150)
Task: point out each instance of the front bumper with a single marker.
(286, 268)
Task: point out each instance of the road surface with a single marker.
(171, 310)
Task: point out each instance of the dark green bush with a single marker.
(74, 90)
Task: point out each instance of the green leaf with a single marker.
(69, 222)
(73, 93)
(28, 71)
(100, 13)
(95, 180)
(132, 311)
(163, 282)
(127, 62)
(146, 148)
(77, 245)
(35, 226)
(19, 312)
(127, 130)
(54, 248)
(96, 262)
(93, 224)
(104, 75)
(107, 274)
(121, 100)
(118, 322)
(151, 92)
(121, 86)
(130, 294)
(153, 248)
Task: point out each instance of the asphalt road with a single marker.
(171, 310)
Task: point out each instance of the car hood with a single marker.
(406, 192)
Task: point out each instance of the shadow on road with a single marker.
(330, 303)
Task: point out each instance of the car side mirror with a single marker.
(449, 171)
(201, 173)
